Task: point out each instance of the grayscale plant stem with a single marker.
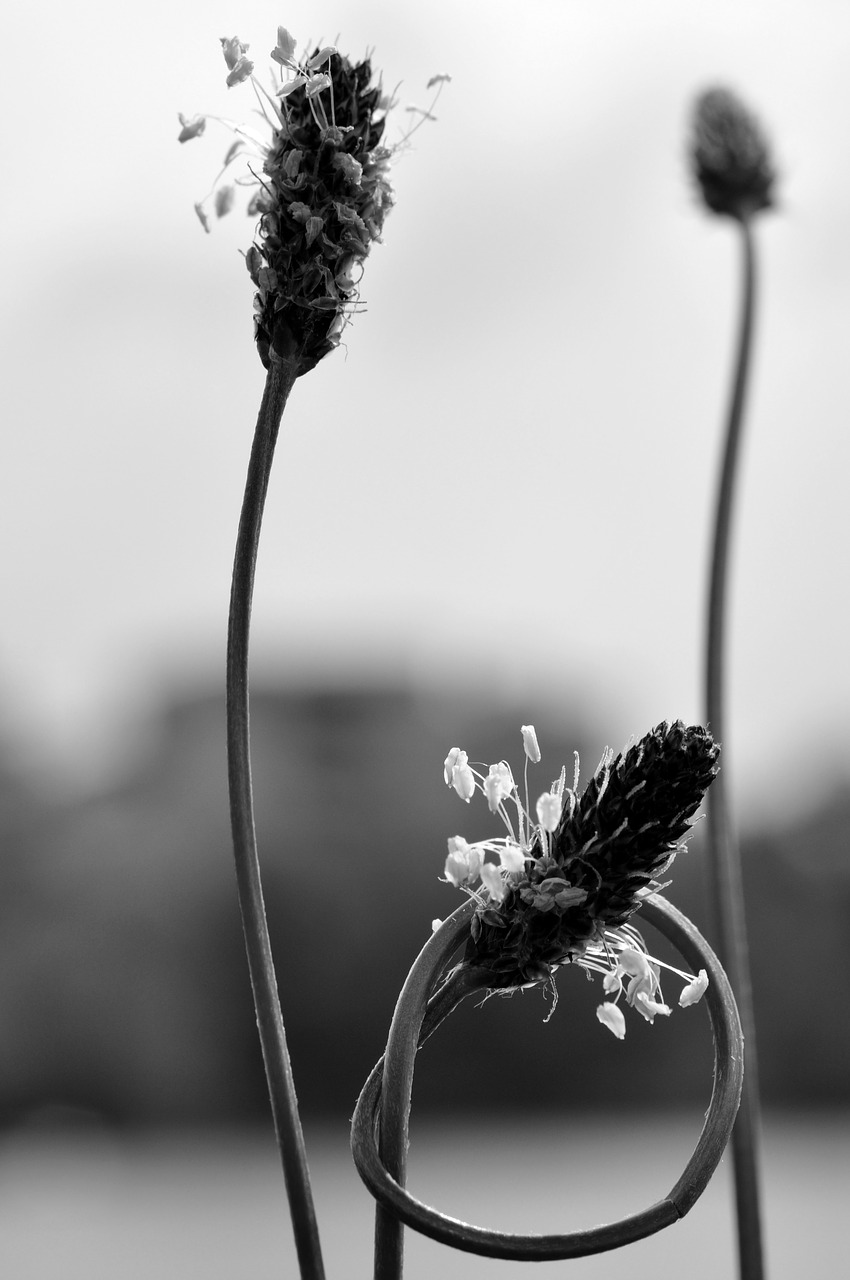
(724, 854)
(290, 1139)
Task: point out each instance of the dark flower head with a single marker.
(730, 156)
(565, 887)
(321, 192)
(323, 202)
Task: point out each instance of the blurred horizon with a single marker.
(125, 993)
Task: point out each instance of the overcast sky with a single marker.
(506, 478)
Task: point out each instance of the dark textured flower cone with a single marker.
(323, 203)
(730, 156)
(620, 836)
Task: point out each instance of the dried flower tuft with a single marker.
(730, 156)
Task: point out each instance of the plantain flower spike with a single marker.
(321, 191)
(730, 156)
(564, 889)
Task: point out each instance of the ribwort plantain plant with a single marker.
(562, 888)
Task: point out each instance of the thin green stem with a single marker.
(724, 855)
(284, 1103)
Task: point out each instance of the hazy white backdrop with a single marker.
(506, 479)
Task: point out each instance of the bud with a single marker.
(529, 741)
(730, 156)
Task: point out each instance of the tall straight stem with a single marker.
(724, 853)
(290, 1138)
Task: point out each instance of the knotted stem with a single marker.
(379, 1126)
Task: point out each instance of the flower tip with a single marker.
(612, 1018)
(730, 156)
(695, 990)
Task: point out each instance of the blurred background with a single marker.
(491, 507)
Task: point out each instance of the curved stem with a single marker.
(724, 854)
(406, 1035)
(290, 1138)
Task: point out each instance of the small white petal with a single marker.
(512, 858)
(319, 59)
(498, 785)
(695, 990)
(435, 924)
(529, 741)
(549, 811)
(451, 760)
(493, 882)
(634, 963)
(612, 1018)
(463, 862)
(289, 86)
(284, 52)
(463, 781)
(611, 982)
(649, 1008)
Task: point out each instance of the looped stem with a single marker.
(379, 1126)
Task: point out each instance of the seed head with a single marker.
(321, 191)
(730, 156)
